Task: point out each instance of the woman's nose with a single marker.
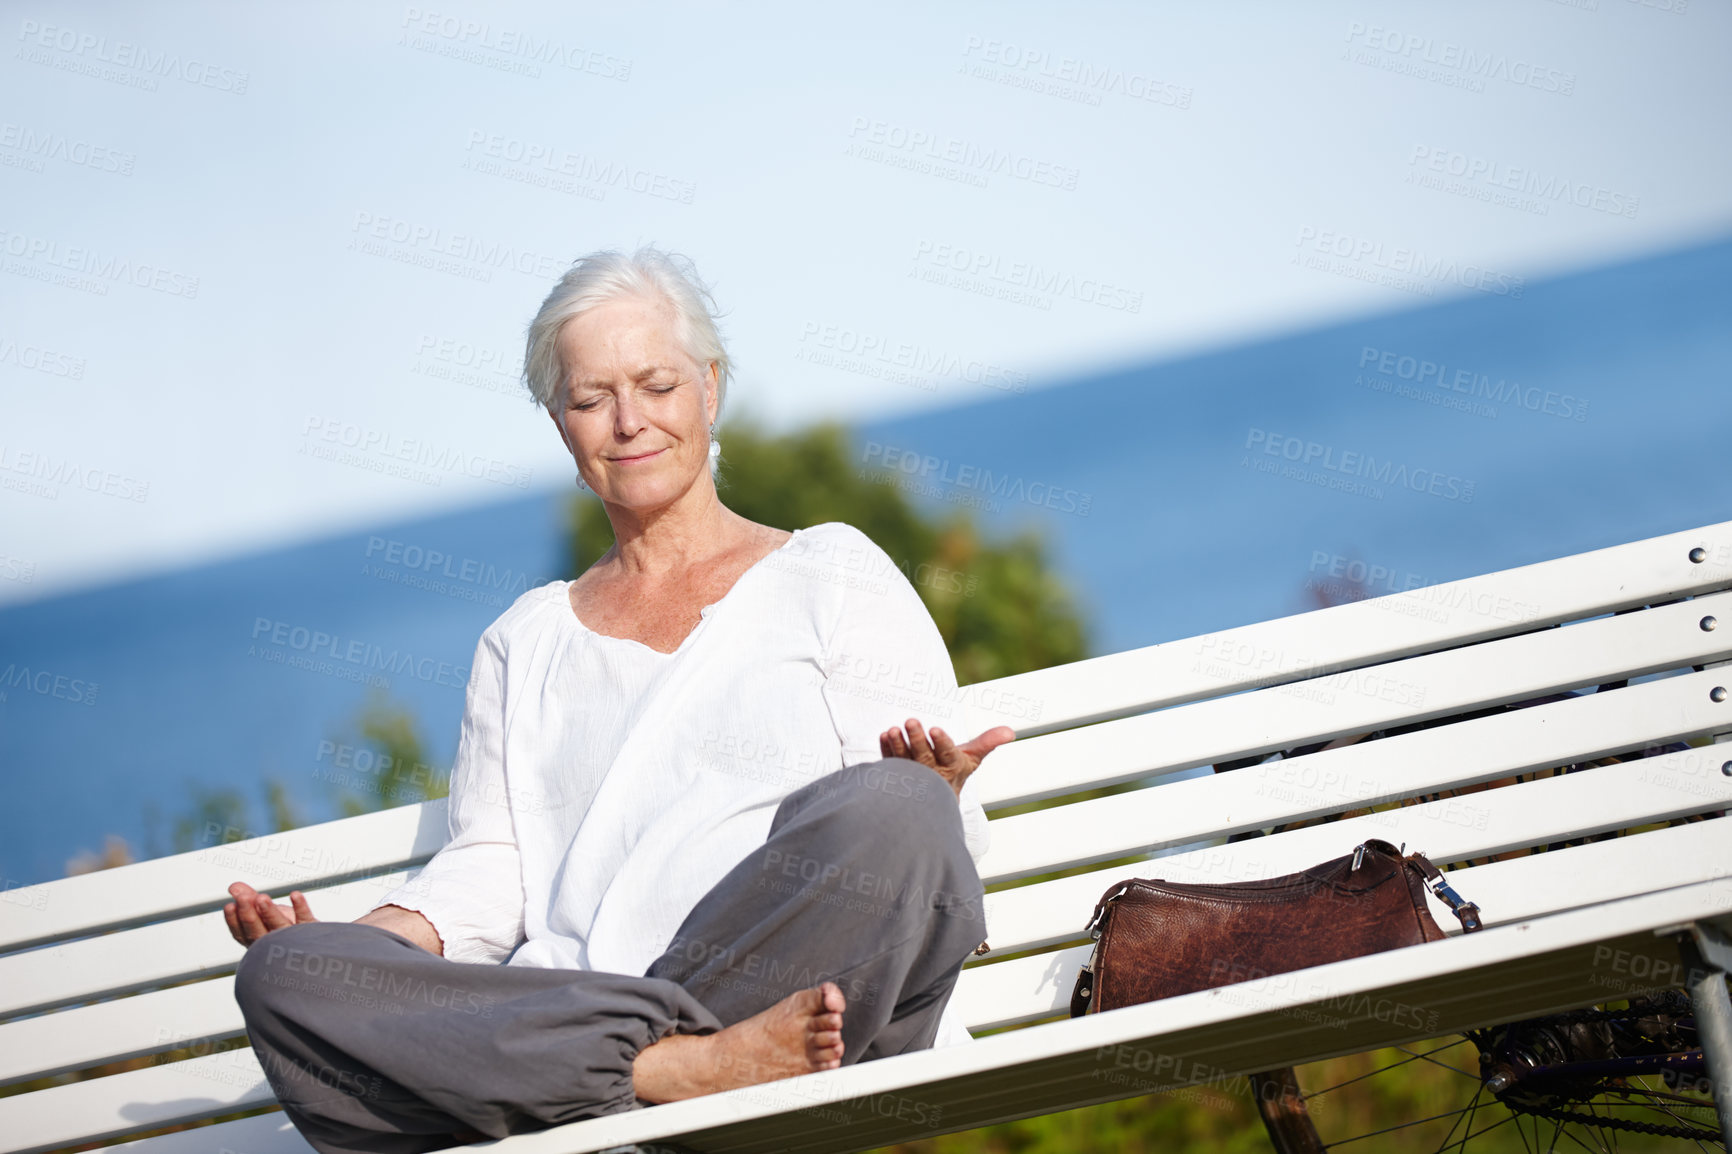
(626, 419)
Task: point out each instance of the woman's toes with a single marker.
(833, 1000)
(828, 1056)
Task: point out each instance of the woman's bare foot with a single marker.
(799, 1034)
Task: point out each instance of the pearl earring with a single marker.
(581, 487)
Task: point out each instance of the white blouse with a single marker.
(601, 787)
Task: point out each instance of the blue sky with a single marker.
(232, 232)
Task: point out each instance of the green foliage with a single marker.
(1221, 1120)
(399, 772)
(220, 814)
(997, 605)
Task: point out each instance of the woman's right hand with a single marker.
(252, 915)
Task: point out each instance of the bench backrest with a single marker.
(1448, 772)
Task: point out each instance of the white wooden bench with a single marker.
(1565, 928)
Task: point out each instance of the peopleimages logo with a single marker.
(103, 266)
(1474, 384)
(283, 637)
(1411, 262)
(85, 48)
(992, 269)
(1496, 176)
(942, 470)
(41, 145)
(1420, 52)
(1361, 466)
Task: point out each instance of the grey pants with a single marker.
(375, 1045)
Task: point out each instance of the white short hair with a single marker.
(610, 275)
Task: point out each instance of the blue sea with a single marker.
(1178, 497)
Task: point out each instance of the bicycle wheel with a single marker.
(1523, 1087)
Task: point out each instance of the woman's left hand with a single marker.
(954, 763)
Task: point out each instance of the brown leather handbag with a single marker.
(1157, 939)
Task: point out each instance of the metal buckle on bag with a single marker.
(1100, 915)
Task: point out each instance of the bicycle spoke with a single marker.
(1427, 1057)
(1502, 1121)
(1578, 1141)
(1566, 1110)
(1660, 1102)
(1467, 1128)
(1467, 1113)
(1608, 1136)
(1397, 1126)
(1360, 1078)
(1609, 1144)
(1646, 1091)
(1534, 1149)
(1383, 1069)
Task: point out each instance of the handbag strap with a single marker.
(1094, 926)
(1465, 911)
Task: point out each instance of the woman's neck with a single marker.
(672, 538)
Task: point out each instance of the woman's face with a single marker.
(634, 409)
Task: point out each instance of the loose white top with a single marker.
(601, 787)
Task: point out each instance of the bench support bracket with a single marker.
(1707, 955)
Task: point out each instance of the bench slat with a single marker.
(1540, 812)
(261, 1134)
(1027, 989)
(194, 882)
(126, 1028)
(137, 1100)
(1374, 630)
(190, 947)
(1415, 689)
(1405, 765)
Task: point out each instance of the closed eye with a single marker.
(659, 390)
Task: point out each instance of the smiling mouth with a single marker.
(639, 457)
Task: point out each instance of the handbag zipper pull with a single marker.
(1358, 855)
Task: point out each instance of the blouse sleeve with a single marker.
(887, 662)
(472, 889)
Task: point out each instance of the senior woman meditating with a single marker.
(685, 813)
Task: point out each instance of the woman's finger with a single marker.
(919, 748)
(233, 923)
(917, 735)
(247, 912)
(303, 912)
(274, 916)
